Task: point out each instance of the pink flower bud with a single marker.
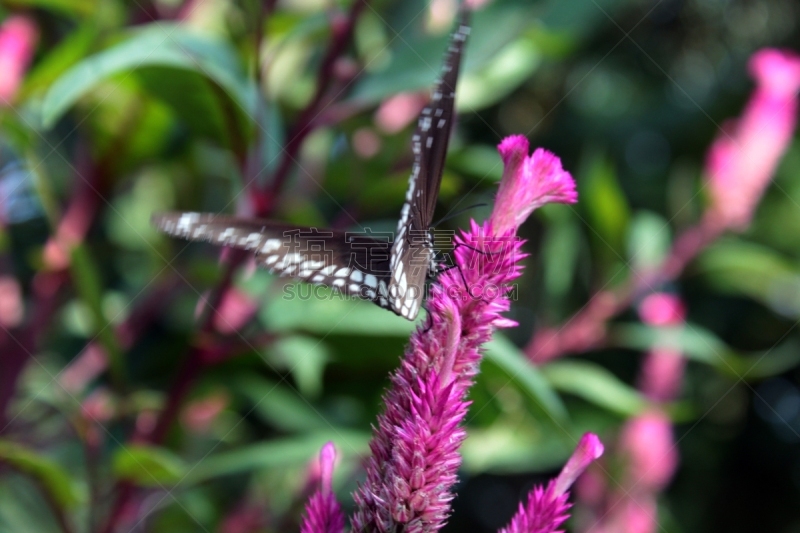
(546, 507)
(18, 37)
(662, 309)
(323, 513)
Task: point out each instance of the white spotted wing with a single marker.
(355, 263)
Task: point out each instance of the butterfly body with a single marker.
(390, 271)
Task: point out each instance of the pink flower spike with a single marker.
(528, 183)
(18, 36)
(776, 71)
(323, 513)
(546, 507)
(415, 457)
(743, 159)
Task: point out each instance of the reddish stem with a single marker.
(586, 329)
(200, 357)
(341, 33)
(19, 345)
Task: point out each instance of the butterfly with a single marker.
(391, 272)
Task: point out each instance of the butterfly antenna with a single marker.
(459, 212)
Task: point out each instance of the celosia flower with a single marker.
(650, 448)
(415, 446)
(546, 508)
(323, 512)
(743, 159)
(18, 36)
(538, 179)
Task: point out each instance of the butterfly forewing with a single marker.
(412, 256)
(355, 263)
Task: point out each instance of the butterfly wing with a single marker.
(355, 263)
(411, 255)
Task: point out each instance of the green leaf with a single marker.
(511, 360)
(66, 53)
(157, 44)
(281, 406)
(316, 309)
(649, 239)
(690, 340)
(513, 448)
(560, 257)
(606, 206)
(772, 362)
(88, 283)
(80, 8)
(148, 466)
(278, 453)
(512, 65)
(305, 357)
(755, 271)
(595, 384)
(52, 477)
(701, 345)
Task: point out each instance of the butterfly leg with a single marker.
(428, 320)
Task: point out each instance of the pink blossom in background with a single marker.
(661, 375)
(235, 310)
(246, 518)
(83, 369)
(546, 507)
(662, 309)
(441, 14)
(323, 513)
(398, 111)
(629, 513)
(742, 160)
(98, 406)
(199, 415)
(366, 143)
(97, 409)
(650, 449)
(415, 445)
(18, 37)
(11, 304)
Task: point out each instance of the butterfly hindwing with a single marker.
(355, 263)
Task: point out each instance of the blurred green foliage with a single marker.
(138, 113)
